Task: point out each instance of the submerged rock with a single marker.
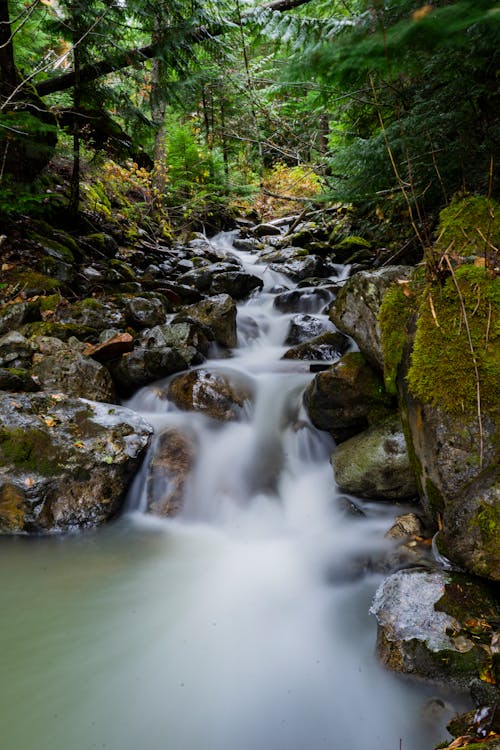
(169, 470)
(375, 464)
(65, 463)
(439, 626)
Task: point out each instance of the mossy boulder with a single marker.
(469, 227)
(439, 626)
(65, 463)
(17, 379)
(92, 312)
(375, 464)
(347, 398)
(356, 308)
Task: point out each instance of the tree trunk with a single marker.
(74, 200)
(158, 101)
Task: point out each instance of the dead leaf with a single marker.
(422, 12)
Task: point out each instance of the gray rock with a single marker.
(98, 314)
(356, 307)
(346, 398)
(305, 300)
(436, 625)
(219, 314)
(301, 268)
(70, 372)
(375, 464)
(179, 333)
(305, 327)
(326, 347)
(65, 463)
(13, 316)
(15, 351)
(266, 230)
(145, 312)
(237, 284)
(144, 365)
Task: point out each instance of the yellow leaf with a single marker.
(422, 12)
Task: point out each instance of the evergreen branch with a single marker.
(139, 55)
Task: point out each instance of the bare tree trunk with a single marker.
(74, 199)
(158, 100)
(8, 72)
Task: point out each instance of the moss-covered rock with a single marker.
(469, 226)
(439, 626)
(64, 463)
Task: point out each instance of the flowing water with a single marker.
(241, 625)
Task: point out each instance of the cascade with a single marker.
(242, 623)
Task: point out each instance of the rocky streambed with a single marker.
(87, 323)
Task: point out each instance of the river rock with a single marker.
(305, 300)
(439, 626)
(266, 230)
(13, 316)
(301, 268)
(304, 327)
(145, 312)
(219, 395)
(375, 464)
(169, 470)
(356, 307)
(237, 284)
(328, 346)
(68, 371)
(180, 334)
(92, 312)
(65, 463)
(15, 351)
(144, 365)
(219, 314)
(15, 379)
(346, 398)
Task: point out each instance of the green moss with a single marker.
(28, 450)
(442, 369)
(488, 520)
(50, 302)
(33, 282)
(61, 331)
(395, 310)
(459, 224)
(353, 241)
(53, 247)
(434, 498)
(469, 601)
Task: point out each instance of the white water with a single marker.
(242, 625)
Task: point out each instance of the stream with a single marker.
(243, 623)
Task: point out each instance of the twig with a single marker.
(474, 359)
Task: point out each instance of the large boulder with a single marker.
(440, 626)
(92, 312)
(144, 365)
(346, 398)
(375, 464)
(356, 307)
(220, 395)
(65, 463)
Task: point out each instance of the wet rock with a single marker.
(356, 307)
(237, 284)
(266, 230)
(306, 300)
(375, 464)
(91, 312)
(15, 351)
(169, 470)
(346, 398)
(68, 371)
(145, 312)
(65, 463)
(187, 335)
(143, 365)
(438, 626)
(282, 255)
(406, 525)
(219, 314)
(301, 268)
(305, 327)
(111, 348)
(219, 395)
(12, 379)
(14, 315)
(326, 347)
